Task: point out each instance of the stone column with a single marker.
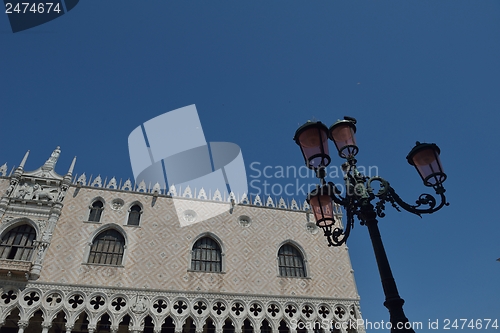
(178, 327)
(46, 326)
(91, 328)
(22, 325)
(69, 327)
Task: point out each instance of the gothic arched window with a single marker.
(17, 243)
(134, 215)
(206, 256)
(95, 211)
(107, 248)
(291, 263)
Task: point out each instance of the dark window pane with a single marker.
(290, 261)
(206, 256)
(96, 211)
(134, 217)
(17, 243)
(107, 248)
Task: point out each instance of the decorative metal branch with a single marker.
(359, 191)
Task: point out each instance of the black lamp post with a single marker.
(357, 201)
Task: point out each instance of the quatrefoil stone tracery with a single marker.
(97, 302)
(273, 310)
(180, 306)
(340, 312)
(255, 310)
(159, 306)
(237, 309)
(219, 308)
(323, 311)
(290, 310)
(200, 307)
(118, 303)
(31, 298)
(307, 311)
(9, 296)
(75, 301)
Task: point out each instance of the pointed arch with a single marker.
(104, 323)
(247, 326)
(189, 325)
(209, 326)
(6, 226)
(148, 324)
(265, 327)
(17, 241)
(124, 323)
(228, 326)
(11, 320)
(135, 212)
(35, 321)
(283, 327)
(96, 209)
(107, 246)
(58, 322)
(168, 325)
(291, 260)
(207, 254)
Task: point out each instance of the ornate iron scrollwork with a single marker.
(360, 191)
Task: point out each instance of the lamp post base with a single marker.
(397, 317)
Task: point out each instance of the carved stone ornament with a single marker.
(41, 224)
(244, 221)
(3, 170)
(117, 204)
(8, 219)
(12, 186)
(312, 228)
(40, 252)
(30, 191)
(139, 304)
(62, 193)
(189, 215)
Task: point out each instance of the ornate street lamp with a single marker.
(425, 158)
(342, 134)
(313, 141)
(359, 195)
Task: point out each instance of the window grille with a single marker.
(291, 263)
(134, 216)
(206, 256)
(17, 243)
(96, 211)
(107, 248)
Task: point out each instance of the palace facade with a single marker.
(80, 255)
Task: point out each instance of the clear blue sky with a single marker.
(256, 70)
